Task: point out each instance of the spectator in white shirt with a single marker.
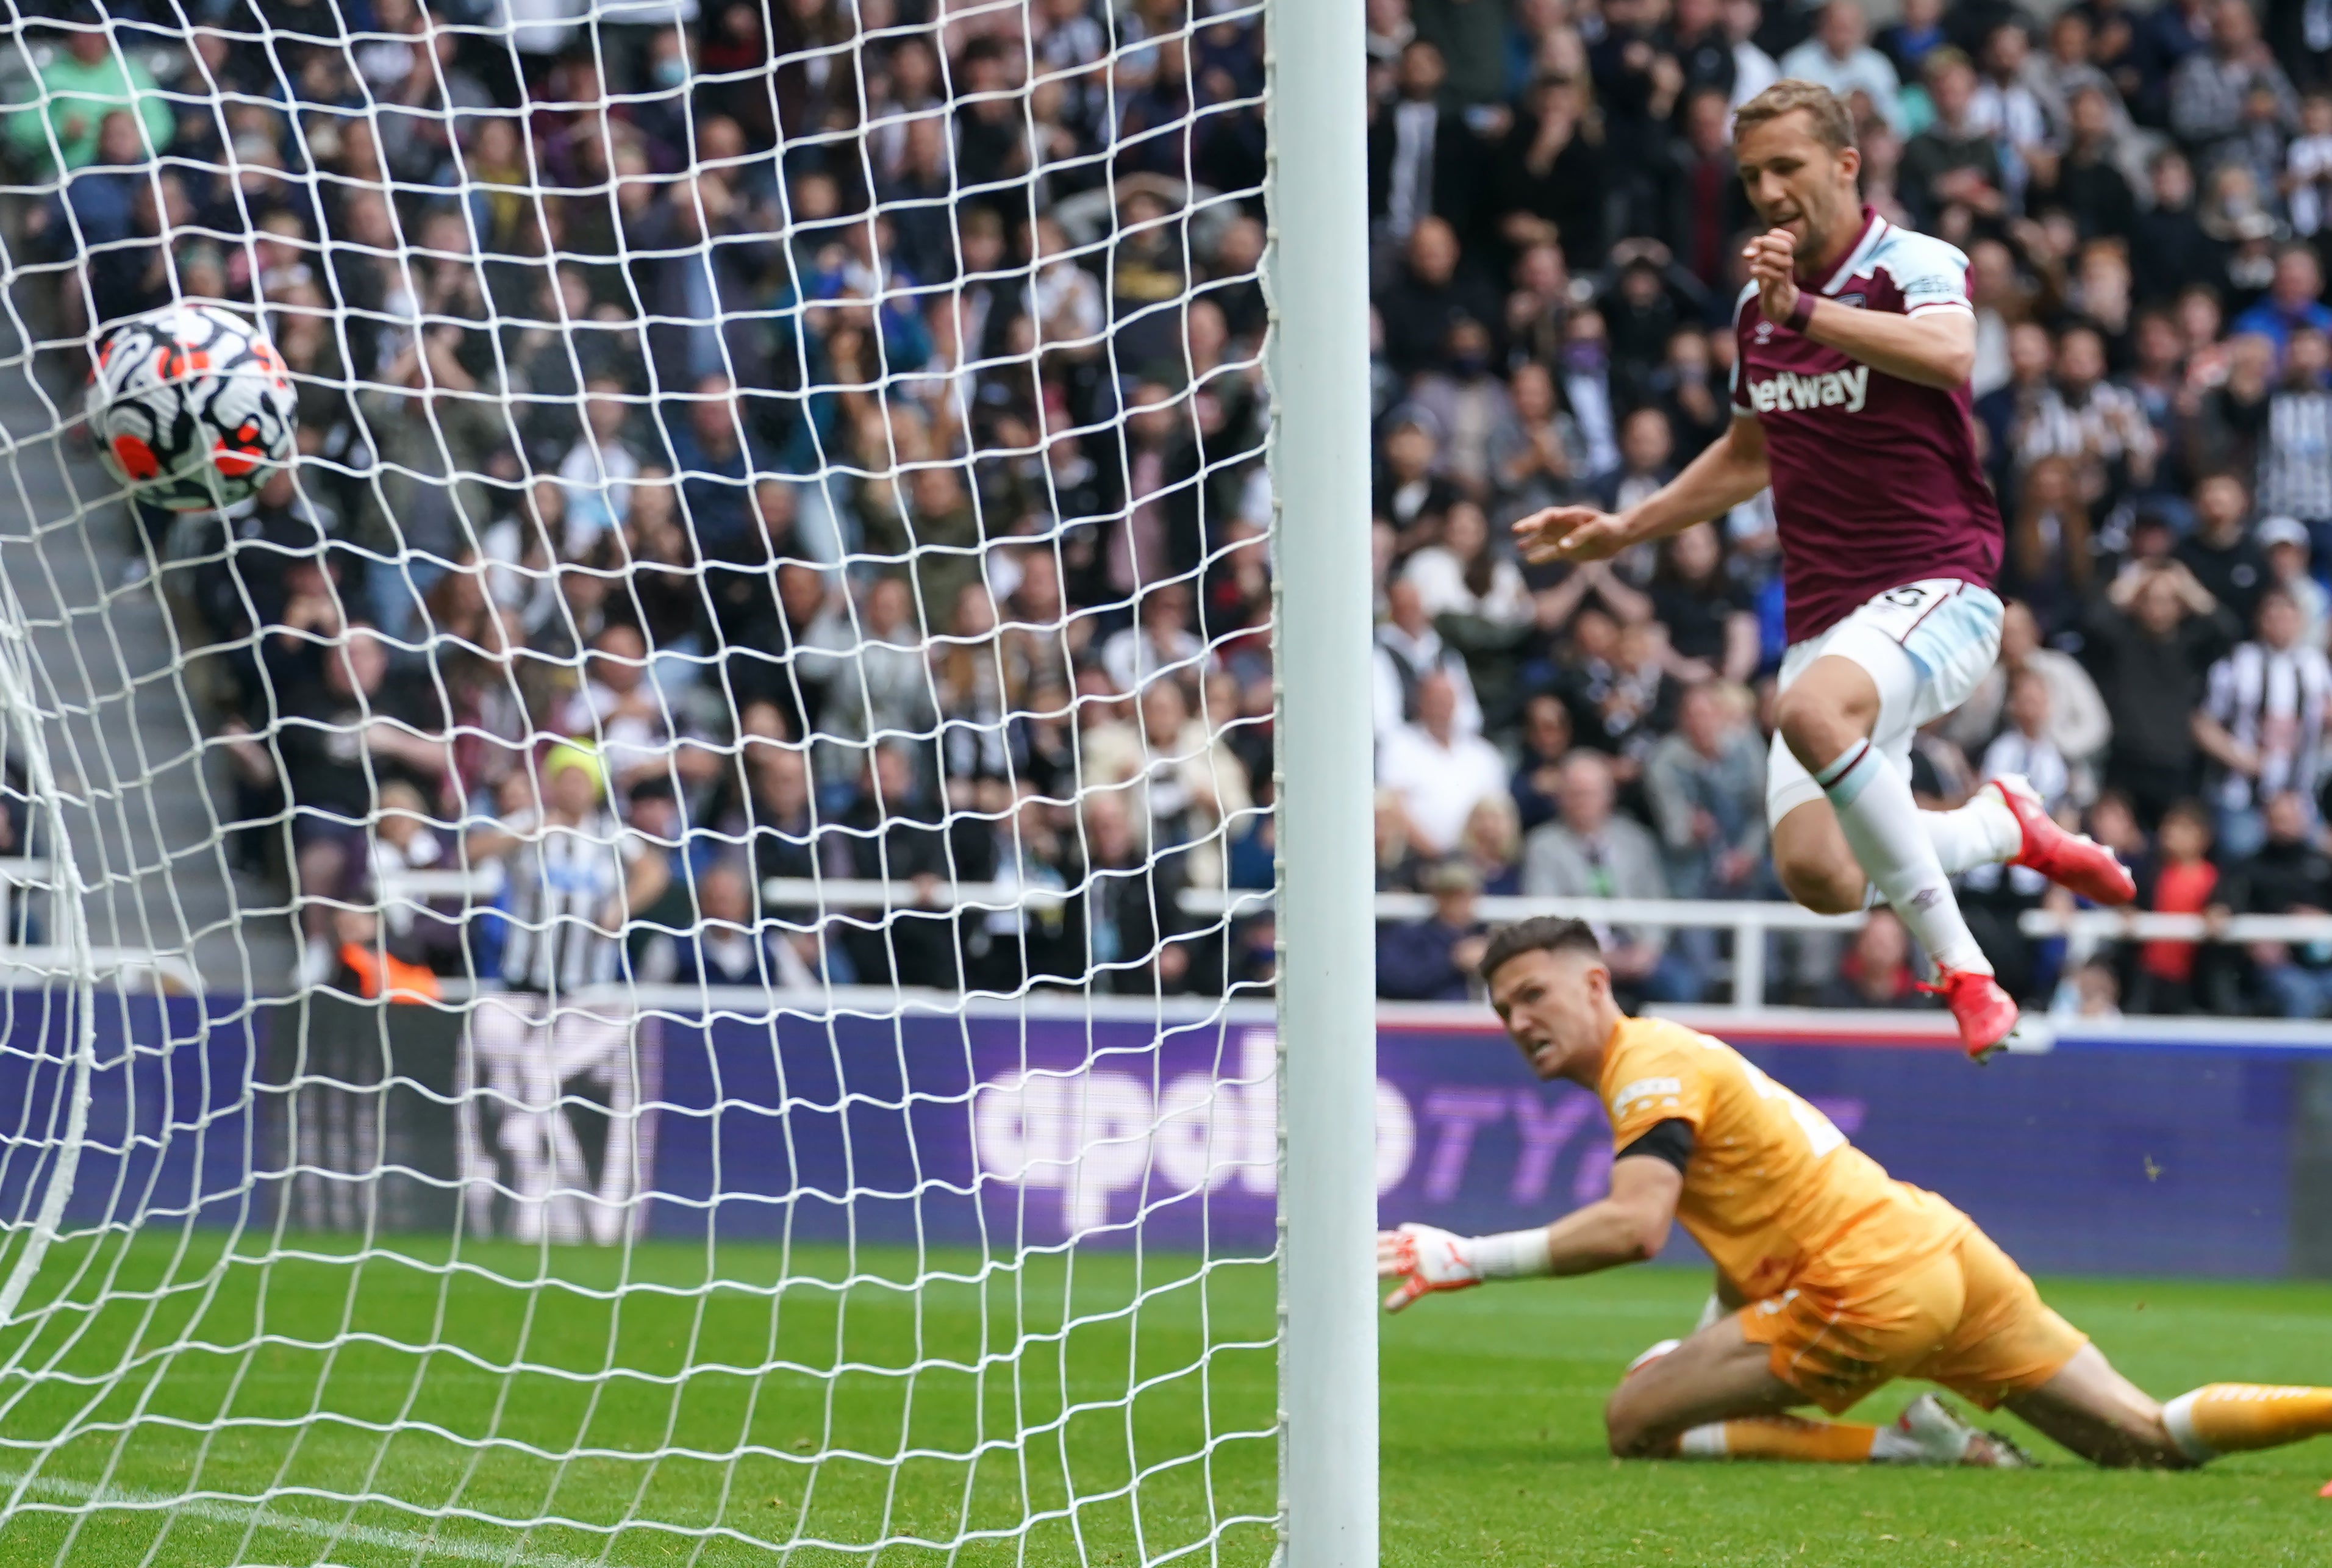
(1440, 771)
(2009, 102)
(2307, 167)
(598, 469)
(2285, 542)
(1160, 640)
(1063, 298)
(1838, 56)
(1464, 574)
(1184, 782)
(2079, 725)
(1408, 650)
(1754, 70)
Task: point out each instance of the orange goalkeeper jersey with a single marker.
(1773, 1193)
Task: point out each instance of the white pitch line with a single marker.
(216, 1512)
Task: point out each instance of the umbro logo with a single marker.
(1764, 333)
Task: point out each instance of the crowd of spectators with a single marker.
(847, 426)
(848, 421)
(1557, 234)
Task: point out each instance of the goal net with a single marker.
(660, 952)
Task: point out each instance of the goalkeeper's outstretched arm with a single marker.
(1628, 1226)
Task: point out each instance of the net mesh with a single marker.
(629, 964)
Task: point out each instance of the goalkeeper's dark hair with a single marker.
(1539, 934)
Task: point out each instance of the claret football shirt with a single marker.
(1876, 481)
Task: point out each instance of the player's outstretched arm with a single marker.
(1629, 1226)
(1731, 470)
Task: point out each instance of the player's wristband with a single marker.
(1802, 311)
(1511, 1255)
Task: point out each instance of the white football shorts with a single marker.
(1926, 645)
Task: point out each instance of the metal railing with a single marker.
(1749, 922)
(23, 963)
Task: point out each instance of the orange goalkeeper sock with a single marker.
(1780, 1438)
(2233, 1418)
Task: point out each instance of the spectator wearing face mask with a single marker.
(1469, 403)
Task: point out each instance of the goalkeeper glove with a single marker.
(1426, 1258)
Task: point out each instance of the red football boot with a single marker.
(2073, 861)
(1985, 1014)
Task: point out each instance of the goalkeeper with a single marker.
(1839, 1278)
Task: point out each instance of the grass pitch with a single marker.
(1016, 1410)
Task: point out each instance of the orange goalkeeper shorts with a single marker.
(1968, 1319)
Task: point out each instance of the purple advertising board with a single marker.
(171, 1123)
(2142, 1156)
(2174, 1147)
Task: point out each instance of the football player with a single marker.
(1835, 1278)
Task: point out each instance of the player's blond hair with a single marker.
(1830, 119)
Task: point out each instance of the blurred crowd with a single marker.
(1558, 230)
(848, 421)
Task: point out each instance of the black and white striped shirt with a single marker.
(2272, 701)
(2295, 478)
(2106, 423)
(562, 881)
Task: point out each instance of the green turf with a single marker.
(1491, 1444)
(1491, 1450)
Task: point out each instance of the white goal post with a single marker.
(1327, 975)
(492, 1067)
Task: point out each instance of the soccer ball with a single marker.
(190, 407)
